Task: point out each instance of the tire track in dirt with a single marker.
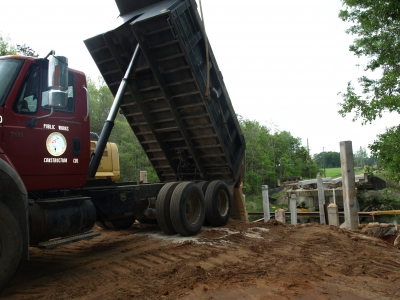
(254, 261)
(113, 257)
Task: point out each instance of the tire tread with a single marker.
(11, 238)
(178, 216)
(163, 208)
(212, 214)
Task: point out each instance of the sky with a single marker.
(283, 62)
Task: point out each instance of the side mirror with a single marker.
(58, 81)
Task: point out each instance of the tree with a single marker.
(259, 167)
(386, 148)
(328, 159)
(360, 157)
(272, 155)
(26, 50)
(131, 155)
(377, 27)
(5, 47)
(100, 101)
(304, 163)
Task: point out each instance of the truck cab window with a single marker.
(71, 93)
(9, 69)
(27, 99)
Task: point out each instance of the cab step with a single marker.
(51, 244)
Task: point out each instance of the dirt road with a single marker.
(237, 261)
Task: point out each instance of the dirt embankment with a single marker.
(237, 261)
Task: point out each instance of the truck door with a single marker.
(9, 70)
(46, 155)
(1, 130)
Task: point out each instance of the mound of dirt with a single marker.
(240, 260)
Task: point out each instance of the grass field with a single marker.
(337, 172)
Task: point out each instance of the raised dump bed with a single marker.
(186, 135)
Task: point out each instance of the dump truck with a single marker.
(58, 180)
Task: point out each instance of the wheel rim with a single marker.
(193, 208)
(223, 203)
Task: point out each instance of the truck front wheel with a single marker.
(10, 245)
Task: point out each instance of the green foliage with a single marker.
(100, 101)
(26, 50)
(370, 170)
(5, 47)
(131, 156)
(360, 157)
(377, 27)
(386, 201)
(327, 159)
(254, 203)
(270, 156)
(332, 159)
(386, 148)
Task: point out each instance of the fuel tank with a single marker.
(60, 217)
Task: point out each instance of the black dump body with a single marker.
(185, 135)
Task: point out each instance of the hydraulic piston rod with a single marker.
(109, 123)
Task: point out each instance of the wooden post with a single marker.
(349, 186)
(143, 176)
(293, 209)
(333, 214)
(321, 199)
(267, 215)
(280, 215)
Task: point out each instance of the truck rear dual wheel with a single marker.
(218, 203)
(187, 208)
(203, 186)
(163, 208)
(10, 245)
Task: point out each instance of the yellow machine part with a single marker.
(109, 164)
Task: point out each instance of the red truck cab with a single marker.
(54, 152)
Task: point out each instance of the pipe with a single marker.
(334, 196)
(109, 123)
(385, 212)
